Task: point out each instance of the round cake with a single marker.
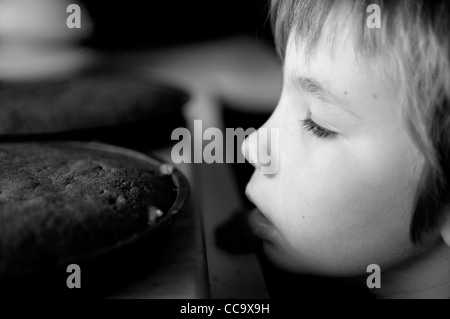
(95, 99)
(58, 204)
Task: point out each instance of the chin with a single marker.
(317, 265)
(284, 261)
(280, 258)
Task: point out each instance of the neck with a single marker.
(426, 278)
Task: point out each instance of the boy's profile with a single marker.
(364, 161)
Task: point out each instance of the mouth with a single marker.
(261, 226)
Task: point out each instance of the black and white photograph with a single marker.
(224, 155)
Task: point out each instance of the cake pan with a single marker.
(105, 269)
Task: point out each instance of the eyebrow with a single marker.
(317, 90)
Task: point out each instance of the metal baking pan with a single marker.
(106, 269)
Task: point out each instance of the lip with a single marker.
(261, 226)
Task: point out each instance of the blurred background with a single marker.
(157, 24)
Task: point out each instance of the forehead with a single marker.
(357, 80)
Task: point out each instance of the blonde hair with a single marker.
(414, 44)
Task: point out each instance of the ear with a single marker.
(445, 229)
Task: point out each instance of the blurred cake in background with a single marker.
(53, 87)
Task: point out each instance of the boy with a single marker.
(364, 125)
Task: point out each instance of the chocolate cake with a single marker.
(58, 204)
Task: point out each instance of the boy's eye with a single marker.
(317, 130)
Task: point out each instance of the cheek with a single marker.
(345, 204)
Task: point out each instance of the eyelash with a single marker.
(317, 130)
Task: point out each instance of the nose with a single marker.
(250, 149)
(261, 149)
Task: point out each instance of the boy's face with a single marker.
(340, 201)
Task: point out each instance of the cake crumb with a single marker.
(154, 213)
(121, 200)
(166, 169)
